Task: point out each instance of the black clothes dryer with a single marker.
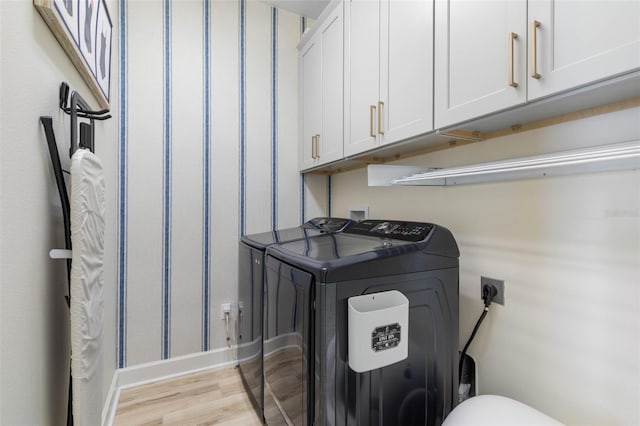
(250, 288)
(308, 284)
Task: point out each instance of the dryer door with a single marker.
(249, 348)
(288, 344)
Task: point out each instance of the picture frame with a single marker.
(104, 30)
(87, 20)
(84, 30)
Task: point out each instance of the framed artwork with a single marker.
(68, 11)
(87, 14)
(103, 49)
(83, 28)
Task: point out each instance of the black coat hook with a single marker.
(79, 108)
(82, 111)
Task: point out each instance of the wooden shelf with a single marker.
(605, 97)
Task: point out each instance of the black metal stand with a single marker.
(79, 109)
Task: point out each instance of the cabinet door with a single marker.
(331, 135)
(406, 71)
(311, 100)
(362, 64)
(578, 42)
(479, 66)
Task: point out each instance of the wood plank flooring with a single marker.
(212, 397)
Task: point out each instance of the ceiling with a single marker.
(308, 8)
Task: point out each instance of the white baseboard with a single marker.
(161, 370)
(109, 410)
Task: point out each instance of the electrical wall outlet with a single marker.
(225, 308)
(498, 285)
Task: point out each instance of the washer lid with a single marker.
(369, 249)
(314, 227)
(337, 246)
(362, 237)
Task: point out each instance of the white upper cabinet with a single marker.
(376, 72)
(388, 72)
(406, 74)
(321, 68)
(331, 137)
(576, 42)
(480, 58)
(311, 95)
(362, 74)
(494, 54)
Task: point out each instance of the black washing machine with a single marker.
(250, 288)
(309, 286)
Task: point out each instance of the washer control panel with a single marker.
(397, 230)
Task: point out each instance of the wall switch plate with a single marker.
(499, 286)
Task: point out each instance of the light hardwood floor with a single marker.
(205, 398)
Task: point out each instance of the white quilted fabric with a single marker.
(87, 240)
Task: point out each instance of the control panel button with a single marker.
(407, 231)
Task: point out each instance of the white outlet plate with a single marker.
(224, 308)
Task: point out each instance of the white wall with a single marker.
(33, 315)
(1, 213)
(567, 340)
(34, 319)
(164, 251)
(1, 411)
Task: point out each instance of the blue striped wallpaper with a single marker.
(122, 191)
(166, 201)
(274, 118)
(243, 116)
(329, 195)
(302, 198)
(206, 225)
(206, 109)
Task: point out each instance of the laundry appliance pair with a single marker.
(361, 326)
(250, 297)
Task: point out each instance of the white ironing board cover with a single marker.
(87, 242)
